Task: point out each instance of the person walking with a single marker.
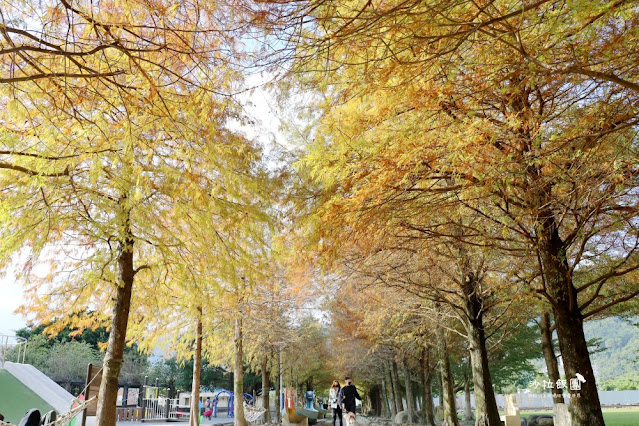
(348, 396)
(208, 408)
(334, 403)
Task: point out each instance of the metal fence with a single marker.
(544, 400)
(538, 401)
(162, 409)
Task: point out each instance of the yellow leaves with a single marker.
(14, 106)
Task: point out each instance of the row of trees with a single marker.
(129, 199)
(475, 163)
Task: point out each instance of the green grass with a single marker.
(16, 399)
(612, 416)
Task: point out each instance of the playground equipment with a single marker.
(51, 418)
(247, 399)
(290, 414)
(313, 405)
(310, 398)
(158, 408)
(309, 410)
(229, 405)
(23, 387)
(12, 348)
(251, 412)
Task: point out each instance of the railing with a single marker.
(12, 348)
(128, 414)
(161, 409)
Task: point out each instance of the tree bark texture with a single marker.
(449, 405)
(392, 400)
(409, 392)
(486, 411)
(278, 386)
(238, 375)
(585, 407)
(550, 357)
(386, 408)
(194, 418)
(112, 364)
(397, 388)
(266, 389)
(428, 410)
(440, 387)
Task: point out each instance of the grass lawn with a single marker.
(612, 416)
(16, 399)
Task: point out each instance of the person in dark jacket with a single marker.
(348, 395)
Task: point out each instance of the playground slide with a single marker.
(16, 399)
(48, 390)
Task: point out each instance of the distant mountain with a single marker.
(617, 364)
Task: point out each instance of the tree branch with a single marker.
(31, 172)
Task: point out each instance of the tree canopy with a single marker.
(459, 172)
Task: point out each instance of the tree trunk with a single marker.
(428, 411)
(266, 389)
(278, 386)
(112, 364)
(550, 357)
(450, 409)
(194, 418)
(392, 400)
(238, 373)
(486, 411)
(397, 388)
(381, 405)
(585, 407)
(468, 409)
(440, 387)
(409, 392)
(386, 407)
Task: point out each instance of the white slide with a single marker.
(52, 393)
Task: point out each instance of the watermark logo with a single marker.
(575, 383)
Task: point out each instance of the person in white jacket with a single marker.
(334, 402)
